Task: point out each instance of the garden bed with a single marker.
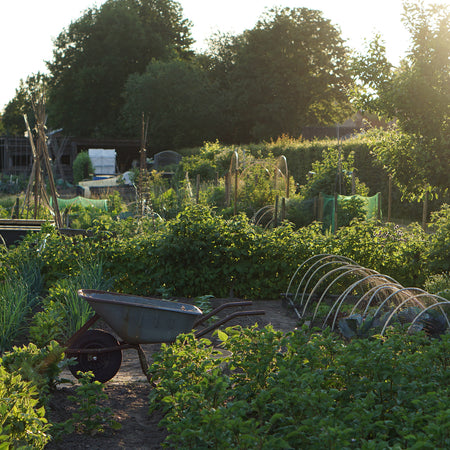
(128, 393)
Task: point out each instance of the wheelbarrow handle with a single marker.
(226, 319)
(219, 308)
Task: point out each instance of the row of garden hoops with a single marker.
(334, 291)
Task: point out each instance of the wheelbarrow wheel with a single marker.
(103, 365)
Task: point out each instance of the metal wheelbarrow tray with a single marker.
(136, 320)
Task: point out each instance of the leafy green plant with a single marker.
(48, 324)
(22, 420)
(304, 390)
(438, 284)
(90, 417)
(57, 256)
(40, 366)
(329, 175)
(350, 210)
(202, 251)
(14, 309)
(203, 302)
(439, 247)
(166, 292)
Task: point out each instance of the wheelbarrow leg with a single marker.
(144, 364)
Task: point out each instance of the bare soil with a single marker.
(128, 391)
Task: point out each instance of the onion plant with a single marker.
(19, 293)
(91, 276)
(64, 311)
(15, 306)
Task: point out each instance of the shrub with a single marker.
(439, 250)
(82, 167)
(439, 284)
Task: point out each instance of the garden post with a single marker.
(197, 189)
(235, 190)
(425, 211)
(335, 212)
(287, 183)
(379, 205)
(320, 216)
(389, 198)
(227, 189)
(275, 213)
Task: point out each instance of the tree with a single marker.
(179, 101)
(12, 118)
(289, 71)
(331, 175)
(95, 55)
(417, 95)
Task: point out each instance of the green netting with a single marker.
(302, 212)
(81, 201)
(370, 204)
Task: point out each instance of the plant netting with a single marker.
(82, 201)
(370, 206)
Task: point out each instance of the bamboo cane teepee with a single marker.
(41, 161)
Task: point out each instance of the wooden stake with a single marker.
(235, 190)
(227, 189)
(43, 151)
(389, 198)
(320, 215)
(335, 212)
(425, 211)
(197, 189)
(36, 176)
(275, 213)
(287, 183)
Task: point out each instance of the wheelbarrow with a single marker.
(135, 320)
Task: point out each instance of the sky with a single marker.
(28, 27)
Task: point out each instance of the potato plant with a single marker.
(304, 390)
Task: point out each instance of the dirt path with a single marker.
(128, 391)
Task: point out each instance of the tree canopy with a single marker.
(12, 118)
(96, 54)
(289, 71)
(179, 101)
(417, 96)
